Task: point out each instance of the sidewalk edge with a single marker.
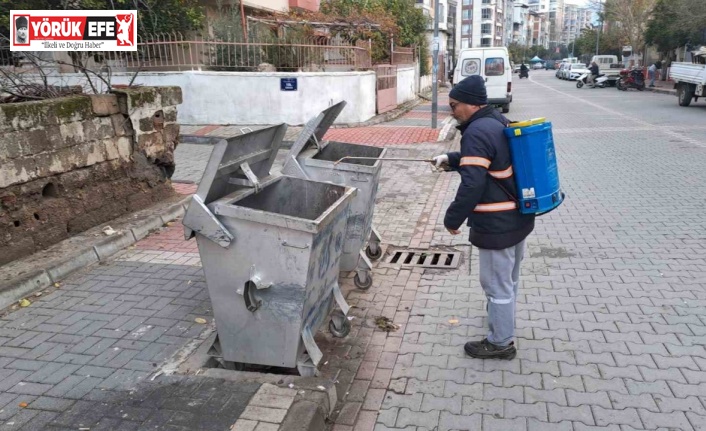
(42, 277)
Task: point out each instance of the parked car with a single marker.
(550, 64)
(560, 71)
(575, 70)
(516, 68)
(537, 66)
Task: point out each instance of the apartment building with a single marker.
(485, 23)
(521, 29)
(554, 10)
(575, 19)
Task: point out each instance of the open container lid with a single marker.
(236, 163)
(313, 133)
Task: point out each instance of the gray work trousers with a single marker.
(500, 279)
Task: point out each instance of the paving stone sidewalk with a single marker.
(611, 327)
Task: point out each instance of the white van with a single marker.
(493, 64)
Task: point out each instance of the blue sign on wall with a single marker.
(288, 84)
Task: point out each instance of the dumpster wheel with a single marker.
(373, 252)
(343, 330)
(363, 285)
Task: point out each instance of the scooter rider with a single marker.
(524, 71)
(595, 71)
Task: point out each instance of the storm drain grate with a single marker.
(426, 258)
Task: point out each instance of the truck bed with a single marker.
(688, 72)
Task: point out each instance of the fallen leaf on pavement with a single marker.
(23, 404)
(453, 321)
(57, 285)
(200, 320)
(386, 324)
(109, 231)
(24, 302)
(38, 294)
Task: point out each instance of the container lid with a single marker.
(527, 123)
(237, 161)
(314, 131)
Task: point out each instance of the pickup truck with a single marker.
(690, 78)
(609, 66)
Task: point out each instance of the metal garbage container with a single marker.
(313, 158)
(270, 246)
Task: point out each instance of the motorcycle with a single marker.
(601, 80)
(524, 74)
(631, 79)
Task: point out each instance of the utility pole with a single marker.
(435, 67)
(600, 29)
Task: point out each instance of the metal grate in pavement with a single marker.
(425, 258)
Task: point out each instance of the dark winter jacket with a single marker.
(486, 169)
(594, 69)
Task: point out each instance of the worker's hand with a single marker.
(453, 231)
(441, 162)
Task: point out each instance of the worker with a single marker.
(487, 198)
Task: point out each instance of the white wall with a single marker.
(256, 98)
(425, 83)
(406, 77)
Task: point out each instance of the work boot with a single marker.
(484, 349)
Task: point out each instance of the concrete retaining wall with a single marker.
(72, 163)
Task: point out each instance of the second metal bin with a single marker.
(313, 158)
(270, 247)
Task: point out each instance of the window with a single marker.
(486, 1)
(486, 29)
(441, 10)
(466, 15)
(470, 66)
(465, 43)
(466, 2)
(487, 13)
(466, 29)
(494, 66)
(485, 43)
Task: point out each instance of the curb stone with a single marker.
(43, 270)
(314, 400)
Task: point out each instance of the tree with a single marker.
(377, 20)
(609, 43)
(633, 17)
(676, 23)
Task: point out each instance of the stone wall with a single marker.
(69, 164)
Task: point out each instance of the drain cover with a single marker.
(426, 258)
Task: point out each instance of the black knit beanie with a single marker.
(470, 91)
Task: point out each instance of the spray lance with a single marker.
(391, 159)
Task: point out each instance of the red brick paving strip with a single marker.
(207, 129)
(384, 136)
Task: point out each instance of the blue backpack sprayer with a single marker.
(534, 165)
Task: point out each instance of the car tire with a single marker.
(506, 108)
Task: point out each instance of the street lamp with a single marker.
(598, 32)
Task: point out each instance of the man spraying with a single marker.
(487, 199)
